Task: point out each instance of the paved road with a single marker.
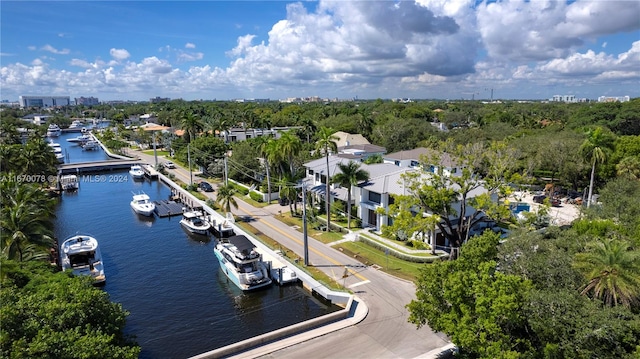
(384, 333)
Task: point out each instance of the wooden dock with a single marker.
(96, 166)
(166, 208)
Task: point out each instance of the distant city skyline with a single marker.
(226, 50)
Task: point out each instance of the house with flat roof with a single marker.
(428, 159)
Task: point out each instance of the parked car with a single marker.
(169, 164)
(539, 198)
(205, 186)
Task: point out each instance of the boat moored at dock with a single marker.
(241, 263)
(53, 130)
(142, 205)
(136, 172)
(193, 222)
(81, 254)
(69, 182)
(91, 145)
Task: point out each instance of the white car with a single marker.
(169, 164)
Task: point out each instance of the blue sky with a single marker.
(342, 49)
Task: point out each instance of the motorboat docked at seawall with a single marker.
(53, 130)
(241, 263)
(142, 205)
(57, 150)
(69, 182)
(91, 145)
(193, 222)
(136, 172)
(81, 254)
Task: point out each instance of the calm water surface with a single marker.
(180, 303)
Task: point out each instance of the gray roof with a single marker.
(416, 153)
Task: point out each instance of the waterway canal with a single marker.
(180, 303)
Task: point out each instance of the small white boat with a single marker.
(53, 130)
(142, 205)
(81, 254)
(136, 172)
(194, 223)
(91, 145)
(241, 263)
(69, 182)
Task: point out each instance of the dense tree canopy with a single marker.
(53, 315)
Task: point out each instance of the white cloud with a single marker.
(189, 45)
(119, 54)
(53, 50)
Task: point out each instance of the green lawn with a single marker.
(388, 263)
(159, 153)
(322, 236)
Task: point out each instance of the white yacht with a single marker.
(136, 172)
(91, 145)
(241, 263)
(80, 139)
(193, 222)
(69, 182)
(57, 150)
(53, 130)
(142, 205)
(81, 254)
(76, 124)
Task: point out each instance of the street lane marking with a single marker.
(359, 283)
(357, 275)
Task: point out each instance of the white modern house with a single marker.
(385, 180)
(420, 157)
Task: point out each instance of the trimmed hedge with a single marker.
(397, 254)
(255, 196)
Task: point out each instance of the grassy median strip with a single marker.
(388, 263)
(407, 251)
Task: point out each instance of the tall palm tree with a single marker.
(594, 150)
(191, 124)
(326, 144)
(612, 271)
(290, 146)
(349, 176)
(225, 198)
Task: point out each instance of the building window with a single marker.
(397, 163)
(414, 163)
(374, 197)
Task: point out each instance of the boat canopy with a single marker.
(242, 243)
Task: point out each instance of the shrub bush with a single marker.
(255, 196)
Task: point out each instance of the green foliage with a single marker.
(480, 308)
(54, 315)
(255, 196)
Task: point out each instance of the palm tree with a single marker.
(290, 146)
(349, 176)
(225, 198)
(26, 224)
(612, 271)
(326, 144)
(594, 150)
(191, 124)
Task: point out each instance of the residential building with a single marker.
(43, 101)
(360, 152)
(614, 99)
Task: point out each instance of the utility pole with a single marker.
(189, 159)
(226, 171)
(304, 225)
(155, 153)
